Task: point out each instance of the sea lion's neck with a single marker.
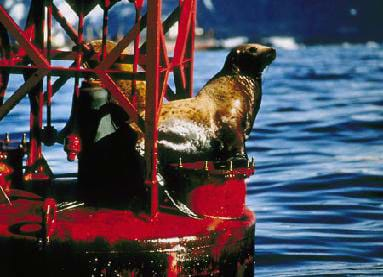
(253, 90)
(224, 90)
(249, 81)
(249, 85)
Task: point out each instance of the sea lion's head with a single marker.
(249, 59)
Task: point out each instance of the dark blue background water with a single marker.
(318, 145)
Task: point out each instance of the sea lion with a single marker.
(215, 124)
(211, 126)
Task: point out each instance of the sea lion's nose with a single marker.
(271, 55)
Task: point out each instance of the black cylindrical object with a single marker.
(110, 171)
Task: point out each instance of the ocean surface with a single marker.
(318, 146)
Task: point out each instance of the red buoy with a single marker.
(197, 225)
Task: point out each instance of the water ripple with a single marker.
(318, 189)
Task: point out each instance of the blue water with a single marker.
(318, 146)
(318, 143)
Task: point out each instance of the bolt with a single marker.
(7, 139)
(180, 165)
(231, 165)
(24, 139)
(23, 142)
(206, 167)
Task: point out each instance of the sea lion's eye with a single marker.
(253, 50)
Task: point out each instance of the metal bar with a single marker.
(49, 48)
(21, 92)
(122, 44)
(80, 39)
(16, 59)
(72, 71)
(69, 30)
(164, 89)
(183, 31)
(153, 87)
(166, 25)
(189, 55)
(13, 58)
(35, 21)
(58, 84)
(21, 38)
(180, 47)
(104, 30)
(164, 52)
(165, 74)
(111, 86)
(69, 55)
(138, 7)
(4, 75)
(64, 55)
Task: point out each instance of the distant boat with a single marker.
(288, 43)
(233, 42)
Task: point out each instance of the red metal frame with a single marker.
(33, 59)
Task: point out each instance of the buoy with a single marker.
(117, 217)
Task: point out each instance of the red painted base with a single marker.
(223, 200)
(107, 242)
(211, 189)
